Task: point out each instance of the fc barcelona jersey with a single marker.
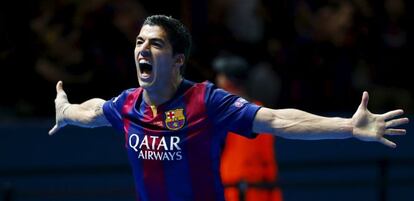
(175, 154)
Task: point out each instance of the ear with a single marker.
(179, 60)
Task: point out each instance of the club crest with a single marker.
(174, 119)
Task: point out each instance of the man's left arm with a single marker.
(297, 124)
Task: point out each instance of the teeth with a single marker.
(144, 62)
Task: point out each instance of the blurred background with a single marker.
(313, 55)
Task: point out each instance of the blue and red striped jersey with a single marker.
(175, 155)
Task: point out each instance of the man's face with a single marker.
(156, 65)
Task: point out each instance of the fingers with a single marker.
(54, 130)
(60, 101)
(364, 101)
(59, 86)
(396, 122)
(387, 143)
(59, 89)
(392, 114)
(61, 96)
(395, 132)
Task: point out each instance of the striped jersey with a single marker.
(175, 155)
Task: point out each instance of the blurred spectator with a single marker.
(245, 160)
(108, 37)
(86, 44)
(322, 57)
(325, 52)
(390, 59)
(264, 84)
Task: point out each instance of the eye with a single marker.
(157, 44)
(139, 42)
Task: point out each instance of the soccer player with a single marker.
(174, 129)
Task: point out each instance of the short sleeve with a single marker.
(230, 112)
(113, 109)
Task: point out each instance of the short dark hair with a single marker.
(177, 33)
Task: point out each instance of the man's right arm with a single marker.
(87, 114)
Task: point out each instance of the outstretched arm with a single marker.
(87, 114)
(297, 124)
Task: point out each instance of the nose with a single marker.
(145, 53)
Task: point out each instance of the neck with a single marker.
(159, 96)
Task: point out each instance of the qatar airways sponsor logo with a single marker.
(150, 147)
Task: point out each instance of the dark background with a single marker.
(320, 54)
(313, 55)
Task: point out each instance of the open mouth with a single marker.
(145, 68)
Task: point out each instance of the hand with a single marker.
(61, 104)
(373, 127)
